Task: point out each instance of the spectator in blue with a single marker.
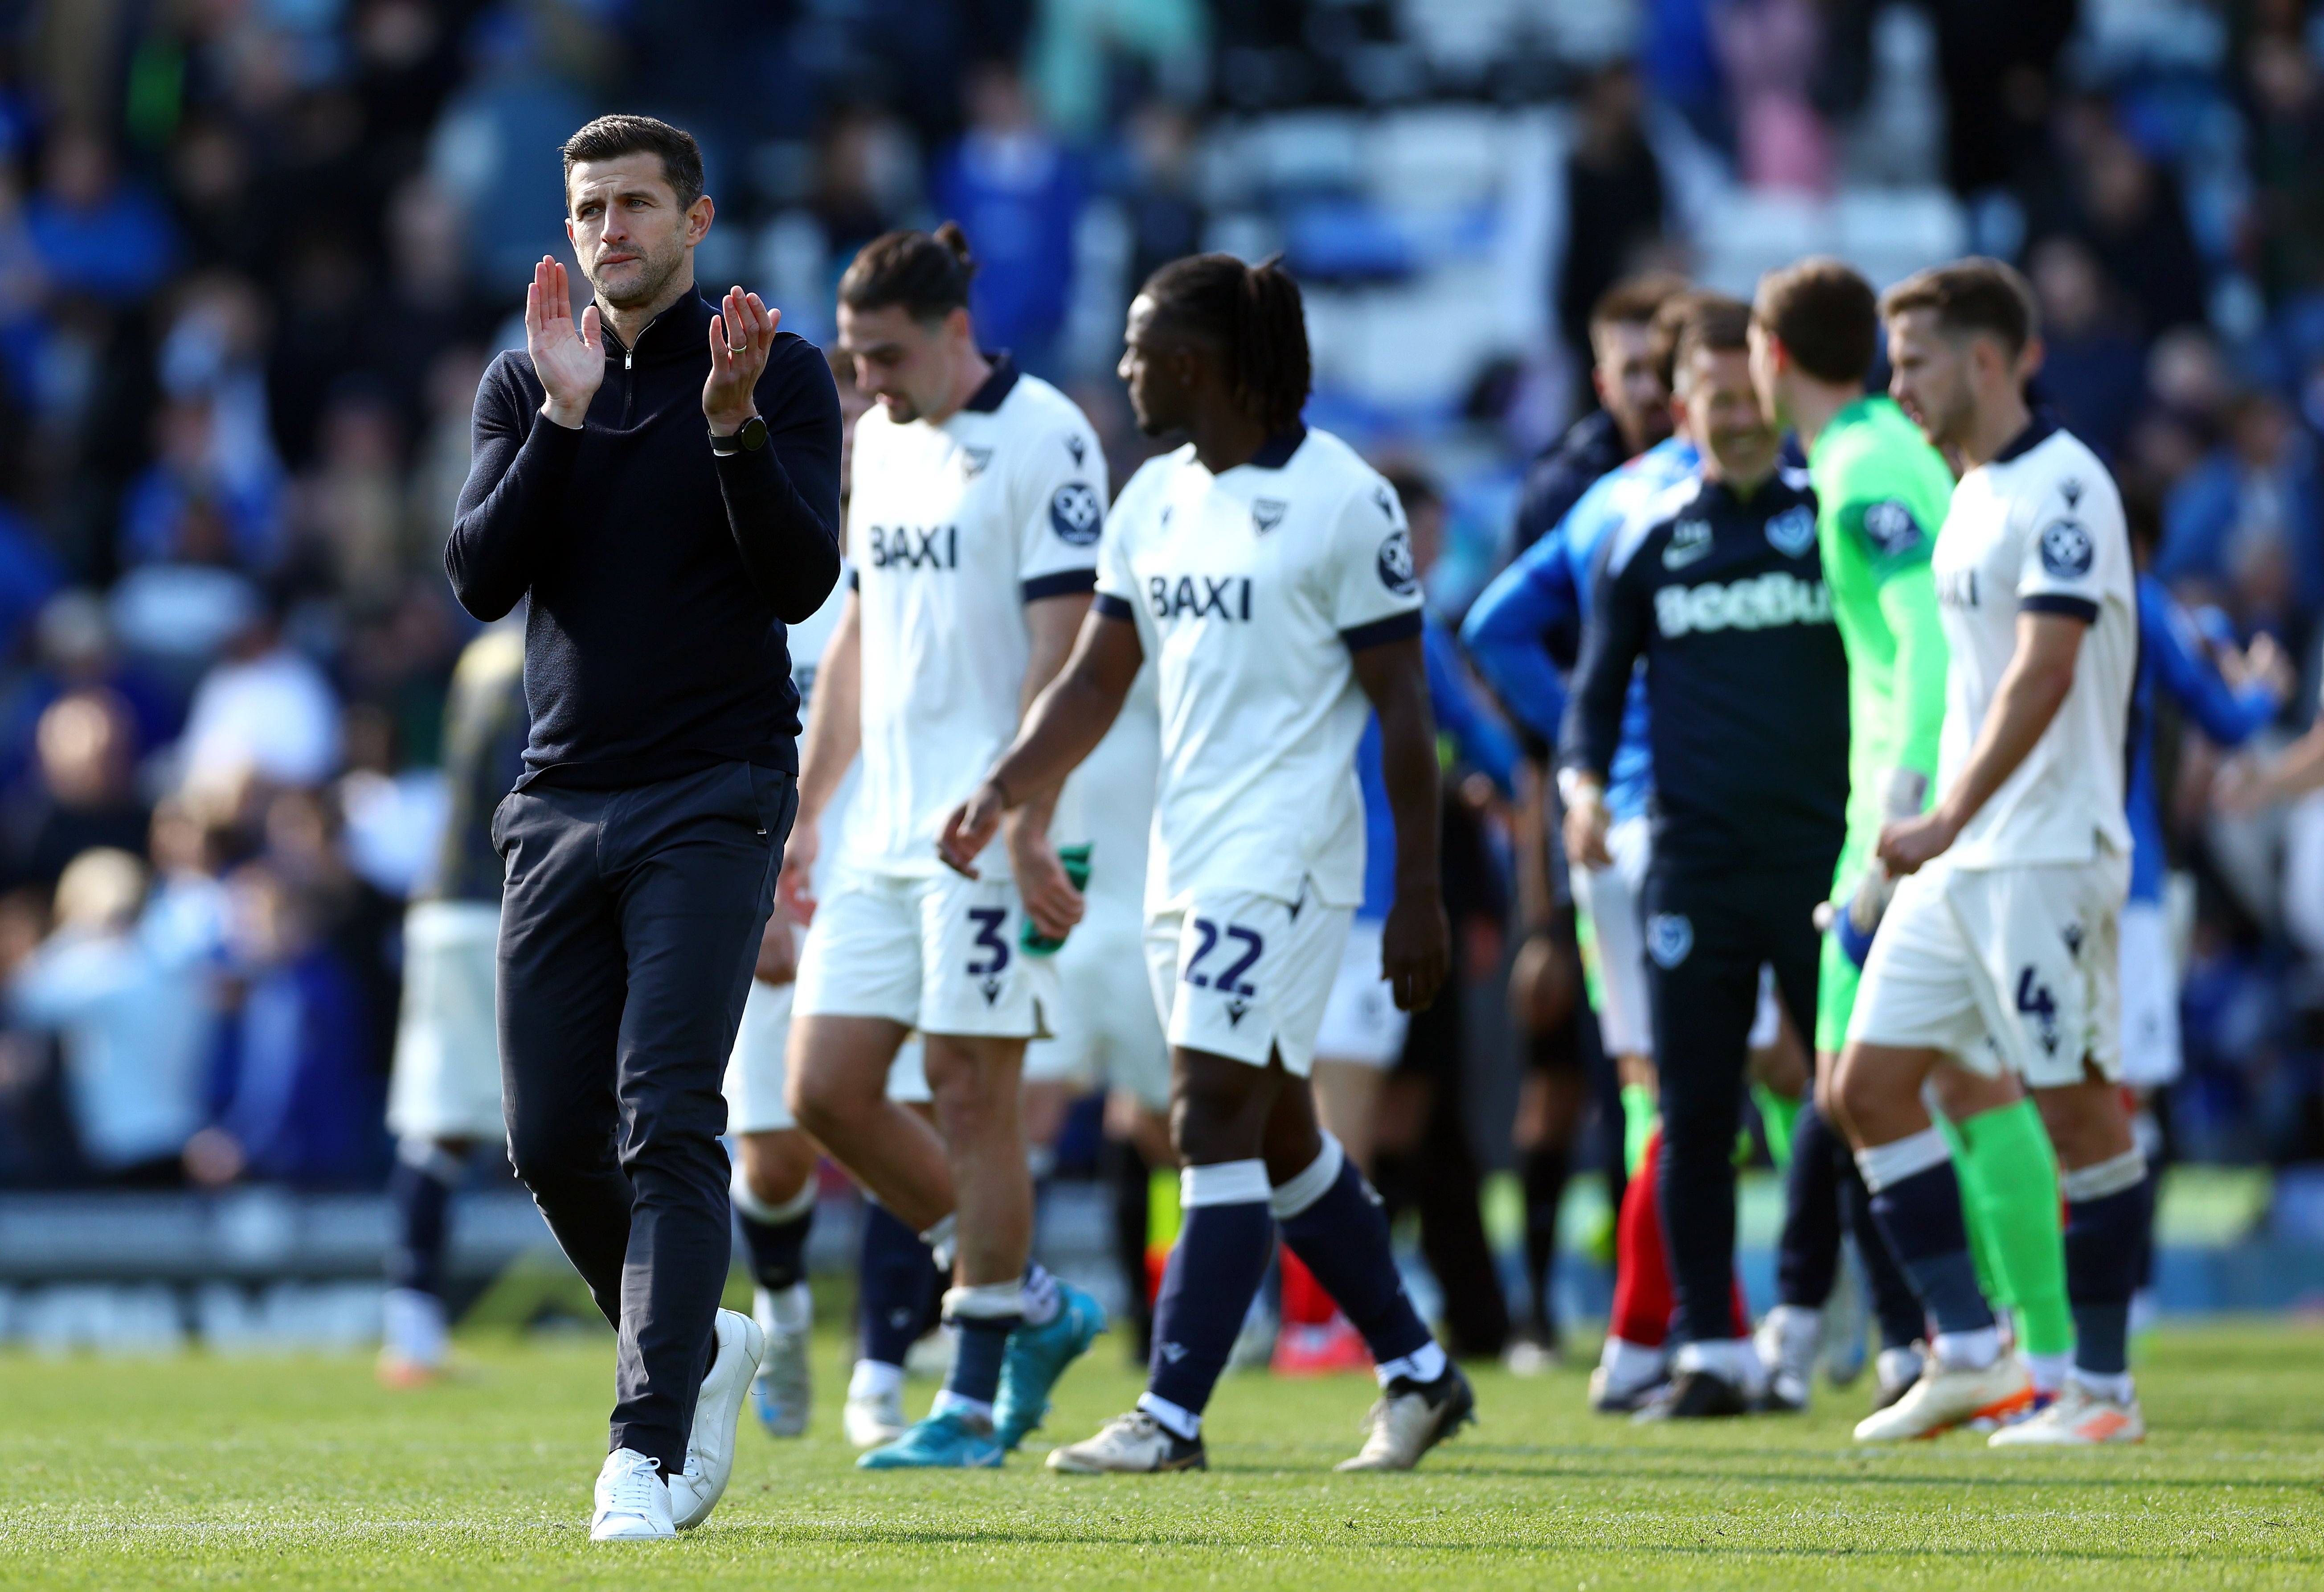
(2230, 695)
(1016, 192)
(302, 1099)
(136, 1026)
(2093, 367)
(190, 474)
(92, 233)
(486, 148)
(2244, 528)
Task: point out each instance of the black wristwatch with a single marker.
(749, 439)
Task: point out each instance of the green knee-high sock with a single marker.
(1640, 1107)
(1778, 1112)
(1976, 1209)
(2015, 1175)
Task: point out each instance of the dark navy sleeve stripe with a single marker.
(854, 581)
(2054, 602)
(1108, 605)
(1064, 583)
(1395, 627)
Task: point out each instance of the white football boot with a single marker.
(1411, 1418)
(1132, 1444)
(1946, 1396)
(2081, 1418)
(695, 1492)
(633, 1501)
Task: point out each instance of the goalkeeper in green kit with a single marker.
(1882, 493)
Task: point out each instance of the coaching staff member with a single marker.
(663, 481)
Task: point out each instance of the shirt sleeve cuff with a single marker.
(1395, 627)
(1064, 583)
(1107, 606)
(2059, 602)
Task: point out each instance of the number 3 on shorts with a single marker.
(1229, 981)
(988, 921)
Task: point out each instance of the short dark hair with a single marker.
(1254, 313)
(1972, 295)
(1634, 301)
(611, 138)
(1825, 315)
(1713, 321)
(926, 273)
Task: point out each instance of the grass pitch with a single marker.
(302, 1474)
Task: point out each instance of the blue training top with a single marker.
(1547, 589)
(2171, 654)
(1481, 741)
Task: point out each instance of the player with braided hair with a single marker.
(1267, 573)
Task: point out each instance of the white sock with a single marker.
(787, 1309)
(2049, 1371)
(2115, 1385)
(413, 1326)
(874, 1379)
(1967, 1351)
(1730, 1359)
(1897, 1364)
(1628, 1364)
(1172, 1418)
(947, 1402)
(1040, 1299)
(1423, 1365)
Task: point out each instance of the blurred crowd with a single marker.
(254, 254)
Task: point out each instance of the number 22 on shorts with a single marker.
(1230, 978)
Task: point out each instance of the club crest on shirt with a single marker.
(1075, 446)
(2067, 550)
(1669, 938)
(1267, 514)
(1395, 571)
(1890, 527)
(1793, 532)
(1690, 541)
(972, 461)
(1076, 513)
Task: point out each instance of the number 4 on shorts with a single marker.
(2035, 998)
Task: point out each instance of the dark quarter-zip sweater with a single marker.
(661, 575)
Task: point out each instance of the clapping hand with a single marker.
(741, 333)
(569, 362)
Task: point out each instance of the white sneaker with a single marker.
(2079, 1419)
(695, 1492)
(1946, 1396)
(1134, 1444)
(873, 1420)
(1786, 1344)
(783, 1391)
(633, 1501)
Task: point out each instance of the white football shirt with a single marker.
(2039, 528)
(1250, 589)
(952, 529)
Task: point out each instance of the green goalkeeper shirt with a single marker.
(1881, 494)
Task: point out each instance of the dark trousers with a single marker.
(1707, 933)
(628, 932)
